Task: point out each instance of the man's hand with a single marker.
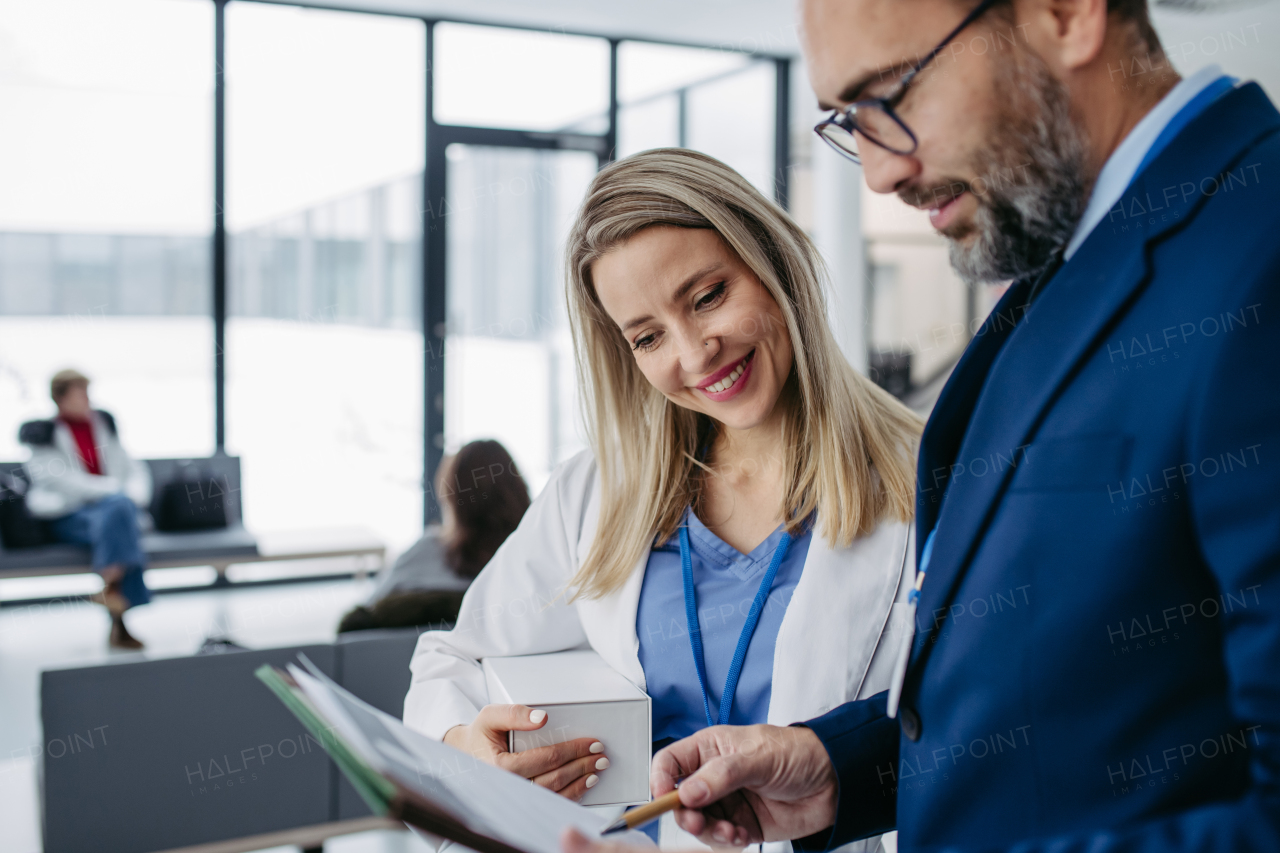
(747, 784)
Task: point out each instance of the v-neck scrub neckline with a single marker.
(726, 582)
(718, 553)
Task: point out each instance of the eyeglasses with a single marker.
(874, 118)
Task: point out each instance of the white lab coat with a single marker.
(60, 484)
(838, 640)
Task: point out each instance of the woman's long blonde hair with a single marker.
(849, 447)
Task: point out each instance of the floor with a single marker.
(68, 632)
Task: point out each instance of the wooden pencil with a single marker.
(642, 815)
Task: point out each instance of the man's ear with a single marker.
(1066, 34)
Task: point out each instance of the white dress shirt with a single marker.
(1122, 166)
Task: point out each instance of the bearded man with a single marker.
(1096, 654)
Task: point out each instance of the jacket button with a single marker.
(910, 723)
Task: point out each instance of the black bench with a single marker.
(219, 547)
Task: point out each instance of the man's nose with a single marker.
(884, 170)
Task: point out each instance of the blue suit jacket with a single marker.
(1097, 659)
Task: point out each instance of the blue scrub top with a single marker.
(726, 582)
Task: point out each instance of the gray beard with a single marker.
(1021, 222)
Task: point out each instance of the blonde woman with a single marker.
(738, 466)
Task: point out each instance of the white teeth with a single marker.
(727, 383)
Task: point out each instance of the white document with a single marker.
(487, 800)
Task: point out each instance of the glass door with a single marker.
(509, 355)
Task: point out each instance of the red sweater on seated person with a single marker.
(83, 432)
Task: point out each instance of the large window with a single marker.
(509, 353)
(719, 102)
(498, 77)
(105, 214)
(236, 246)
(324, 354)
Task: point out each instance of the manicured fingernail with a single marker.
(537, 716)
(596, 748)
(592, 780)
(602, 764)
(721, 836)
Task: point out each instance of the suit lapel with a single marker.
(1025, 376)
(947, 424)
(821, 655)
(1042, 353)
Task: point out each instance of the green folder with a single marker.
(376, 790)
(385, 796)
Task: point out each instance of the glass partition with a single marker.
(324, 352)
(715, 101)
(105, 215)
(509, 355)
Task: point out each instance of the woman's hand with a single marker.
(568, 768)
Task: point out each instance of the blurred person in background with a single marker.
(89, 489)
(482, 499)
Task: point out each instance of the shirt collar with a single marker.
(1122, 166)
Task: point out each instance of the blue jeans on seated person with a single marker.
(110, 528)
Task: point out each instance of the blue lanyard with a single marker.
(744, 640)
(925, 556)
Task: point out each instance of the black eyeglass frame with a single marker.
(847, 118)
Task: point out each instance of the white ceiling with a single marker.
(768, 26)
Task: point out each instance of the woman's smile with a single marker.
(728, 382)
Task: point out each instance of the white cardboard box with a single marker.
(583, 697)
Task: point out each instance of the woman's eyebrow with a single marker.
(680, 292)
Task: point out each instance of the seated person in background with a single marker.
(89, 488)
(482, 499)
